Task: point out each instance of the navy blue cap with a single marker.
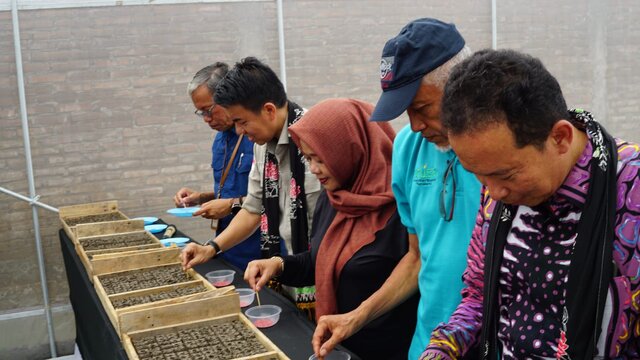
(422, 46)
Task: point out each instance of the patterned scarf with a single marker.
(591, 265)
(270, 240)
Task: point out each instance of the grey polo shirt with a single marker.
(253, 201)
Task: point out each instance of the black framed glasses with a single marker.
(448, 192)
(203, 113)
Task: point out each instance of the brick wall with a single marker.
(110, 119)
(333, 47)
(592, 48)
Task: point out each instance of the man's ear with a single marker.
(270, 110)
(562, 136)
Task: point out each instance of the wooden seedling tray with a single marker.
(135, 260)
(212, 291)
(109, 227)
(104, 265)
(213, 302)
(101, 261)
(179, 323)
(68, 213)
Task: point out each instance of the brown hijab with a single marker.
(357, 152)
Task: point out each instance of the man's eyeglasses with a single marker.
(448, 193)
(203, 113)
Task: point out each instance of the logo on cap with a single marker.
(385, 68)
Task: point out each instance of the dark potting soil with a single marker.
(143, 278)
(223, 341)
(168, 294)
(116, 241)
(85, 219)
(92, 253)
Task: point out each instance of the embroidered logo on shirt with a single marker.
(506, 215)
(425, 175)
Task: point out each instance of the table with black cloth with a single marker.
(97, 339)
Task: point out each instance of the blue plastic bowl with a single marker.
(155, 228)
(183, 212)
(179, 241)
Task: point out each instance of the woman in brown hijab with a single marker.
(357, 237)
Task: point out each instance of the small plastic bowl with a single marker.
(148, 220)
(264, 316)
(183, 212)
(155, 228)
(179, 241)
(246, 296)
(220, 278)
(334, 355)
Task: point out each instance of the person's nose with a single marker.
(497, 191)
(417, 125)
(313, 167)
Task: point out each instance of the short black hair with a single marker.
(251, 84)
(494, 86)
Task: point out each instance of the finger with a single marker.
(250, 275)
(253, 283)
(199, 212)
(188, 255)
(191, 264)
(328, 346)
(182, 257)
(192, 198)
(318, 337)
(262, 281)
(185, 263)
(178, 199)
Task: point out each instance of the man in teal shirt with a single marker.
(437, 199)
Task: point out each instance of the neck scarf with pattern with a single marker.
(270, 218)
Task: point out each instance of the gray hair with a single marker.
(439, 76)
(209, 75)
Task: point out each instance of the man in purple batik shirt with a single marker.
(553, 265)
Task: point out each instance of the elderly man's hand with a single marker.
(194, 254)
(215, 209)
(186, 197)
(333, 329)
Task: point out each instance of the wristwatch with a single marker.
(215, 246)
(236, 205)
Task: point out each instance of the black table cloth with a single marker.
(97, 339)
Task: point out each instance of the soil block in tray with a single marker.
(92, 253)
(162, 295)
(143, 278)
(85, 219)
(116, 241)
(223, 341)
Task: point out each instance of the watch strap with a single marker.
(215, 246)
(236, 205)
